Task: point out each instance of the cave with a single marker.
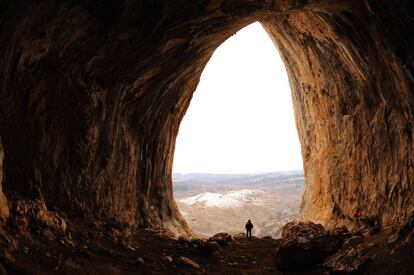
(92, 94)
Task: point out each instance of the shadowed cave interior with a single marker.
(92, 94)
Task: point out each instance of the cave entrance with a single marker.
(237, 154)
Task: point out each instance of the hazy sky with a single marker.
(240, 119)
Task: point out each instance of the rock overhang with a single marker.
(93, 94)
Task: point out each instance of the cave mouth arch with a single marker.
(239, 131)
(330, 66)
(129, 78)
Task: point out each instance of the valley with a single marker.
(213, 203)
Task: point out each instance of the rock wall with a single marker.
(4, 207)
(92, 94)
(350, 70)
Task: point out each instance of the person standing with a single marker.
(249, 227)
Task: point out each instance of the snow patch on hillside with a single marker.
(228, 199)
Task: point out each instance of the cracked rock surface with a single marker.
(92, 94)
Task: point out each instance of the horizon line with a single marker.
(238, 173)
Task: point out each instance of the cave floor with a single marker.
(96, 252)
(101, 248)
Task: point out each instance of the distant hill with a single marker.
(227, 199)
(213, 203)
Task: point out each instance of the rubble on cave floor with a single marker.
(304, 245)
(107, 247)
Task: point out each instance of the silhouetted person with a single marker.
(249, 227)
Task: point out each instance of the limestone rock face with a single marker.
(92, 94)
(351, 75)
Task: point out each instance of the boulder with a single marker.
(305, 244)
(349, 261)
(168, 259)
(239, 236)
(140, 261)
(34, 213)
(302, 229)
(190, 262)
(222, 238)
(200, 246)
